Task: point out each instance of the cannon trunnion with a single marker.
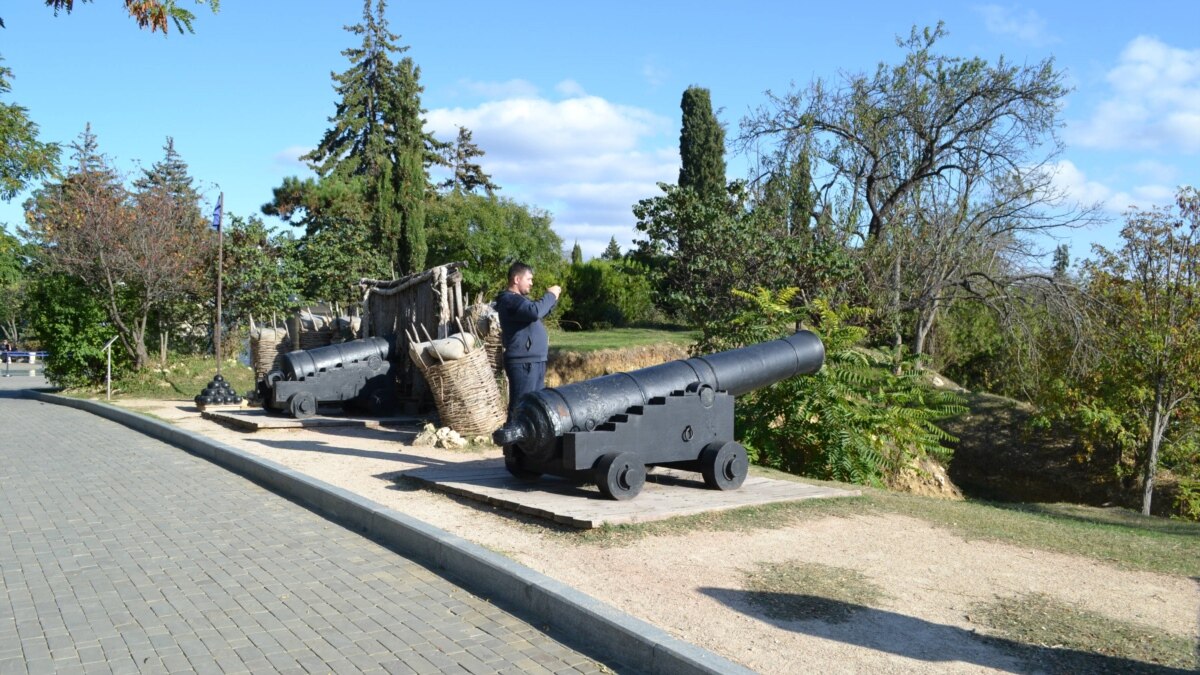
(677, 414)
(354, 373)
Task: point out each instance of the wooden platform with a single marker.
(668, 494)
(253, 419)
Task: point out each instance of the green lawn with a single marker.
(616, 338)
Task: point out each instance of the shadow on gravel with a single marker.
(914, 638)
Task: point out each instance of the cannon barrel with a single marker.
(543, 416)
(301, 365)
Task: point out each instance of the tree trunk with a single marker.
(925, 321)
(898, 335)
(1157, 430)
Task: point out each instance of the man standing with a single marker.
(526, 344)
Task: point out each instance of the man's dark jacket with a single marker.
(524, 336)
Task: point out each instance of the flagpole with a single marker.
(219, 217)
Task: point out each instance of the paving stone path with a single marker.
(119, 553)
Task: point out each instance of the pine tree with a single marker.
(576, 254)
(378, 135)
(701, 146)
(169, 177)
(467, 175)
(613, 251)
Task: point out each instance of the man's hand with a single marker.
(555, 290)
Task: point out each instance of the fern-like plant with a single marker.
(856, 420)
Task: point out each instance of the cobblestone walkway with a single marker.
(121, 554)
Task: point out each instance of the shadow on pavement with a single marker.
(922, 640)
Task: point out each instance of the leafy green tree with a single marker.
(139, 252)
(152, 14)
(378, 137)
(23, 158)
(489, 234)
(855, 420)
(1143, 396)
(576, 254)
(262, 270)
(612, 251)
(701, 146)
(607, 294)
(337, 248)
(71, 323)
(15, 258)
(695, 269)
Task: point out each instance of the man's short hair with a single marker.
(517, 269)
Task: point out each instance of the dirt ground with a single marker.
(692, 585)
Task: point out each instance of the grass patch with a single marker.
(184, 378)
(798, 591)
(1076, 640)
(618, 338)
(1114, 536)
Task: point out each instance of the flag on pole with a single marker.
(216, 221)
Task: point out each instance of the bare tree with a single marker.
(943, 167)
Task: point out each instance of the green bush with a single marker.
(72, 326)
(607, 294)
(859, 419)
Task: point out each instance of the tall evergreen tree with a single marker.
(701, 146)
(169, 176)
(467, 174)
(378, 135)
(576, 254)
(612, 251)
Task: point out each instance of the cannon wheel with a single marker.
(724, 465)
(302, 404)
(513, 464)
(620, 476)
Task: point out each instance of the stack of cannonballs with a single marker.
(218, 392)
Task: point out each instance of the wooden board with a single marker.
(668, 493)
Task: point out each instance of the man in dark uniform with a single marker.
(526, 344)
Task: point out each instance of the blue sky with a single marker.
(577, 104)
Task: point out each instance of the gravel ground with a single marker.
(692, 585)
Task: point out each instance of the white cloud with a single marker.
(654, 73)
(570, 88)
(290, 157)
(515, 88)
(1154, 103)
(585, 159)
(1076, 184)
(1027, 26)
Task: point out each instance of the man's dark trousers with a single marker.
(522, 379)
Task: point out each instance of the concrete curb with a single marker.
(601, 629)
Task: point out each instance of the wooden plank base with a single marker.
(668, 493)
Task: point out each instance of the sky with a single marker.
(576, 104)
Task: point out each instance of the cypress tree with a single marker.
(701, 146)
(576, 255)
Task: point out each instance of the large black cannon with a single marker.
(354, 373)
(677, 414)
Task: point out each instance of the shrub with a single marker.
(607, 294)
(859, 419)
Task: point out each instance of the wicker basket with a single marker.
(465, 392)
